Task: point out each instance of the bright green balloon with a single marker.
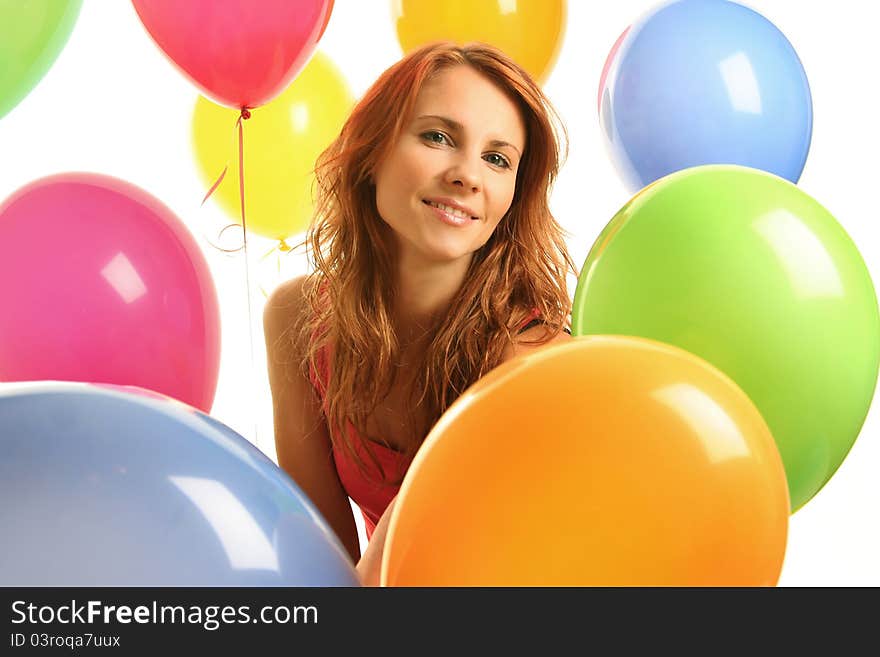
(32, 33)
(745, 270)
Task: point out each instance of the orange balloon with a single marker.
(603, 461)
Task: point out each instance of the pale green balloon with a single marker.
(32, 33)
(750, 273)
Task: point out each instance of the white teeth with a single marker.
(453, 211)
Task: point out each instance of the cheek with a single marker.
(387, 181)
(503, 199)
(399, 179)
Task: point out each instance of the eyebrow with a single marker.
(455, 125)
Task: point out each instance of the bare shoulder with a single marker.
(286, 303)
(285, 299)
(532, 339)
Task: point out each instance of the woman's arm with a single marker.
(302, 439)
(370, 564)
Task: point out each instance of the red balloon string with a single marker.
(255, 388)
(243, 116)
(216, 184)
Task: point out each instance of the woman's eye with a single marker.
(500, 160)
(434, 136)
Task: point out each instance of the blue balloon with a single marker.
(705, 82)
(105, 487)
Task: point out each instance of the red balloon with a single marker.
(326, 20)
(239, 53)
(101, 282)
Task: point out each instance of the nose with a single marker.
(464, 173)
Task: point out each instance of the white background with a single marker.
(113, 104)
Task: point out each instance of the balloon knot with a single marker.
(245, 113)
(284, 247)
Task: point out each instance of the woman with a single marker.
(436, 258)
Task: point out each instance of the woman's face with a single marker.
(461, 148)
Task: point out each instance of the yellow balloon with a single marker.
(529, 31)
(282, 140)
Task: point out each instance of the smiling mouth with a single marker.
(450, 210)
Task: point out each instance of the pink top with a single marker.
(374, 494)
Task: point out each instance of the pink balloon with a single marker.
(240, 53)
(102, 283)
(608, 62)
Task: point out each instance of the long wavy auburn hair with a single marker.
(524, 264)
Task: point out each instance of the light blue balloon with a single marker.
(105, 487)
(705, 82)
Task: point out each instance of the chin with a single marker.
(438, 254)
